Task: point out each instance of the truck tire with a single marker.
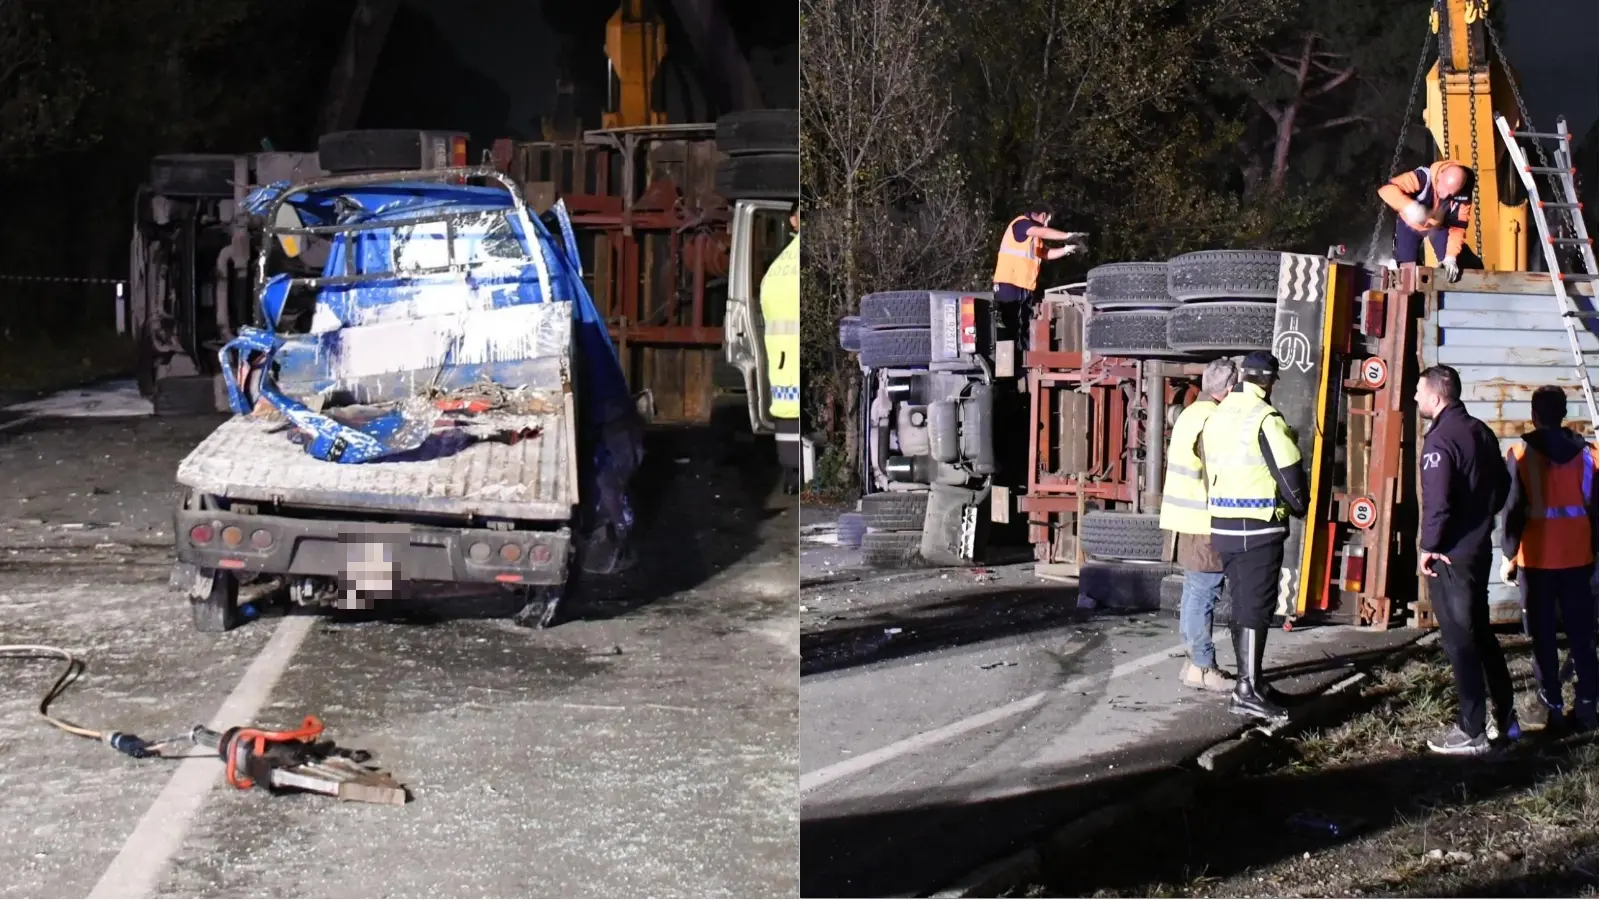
(851, 528)
(217, 610)
(192, 175)
(891, 549)
(1134, 285)
(1132, 586)
(895, 510)
(759, 131)
(896, 309)
(850, 334)
(1129, 332)
(1221, 327)
(1172, 601)
(1120, 535)
(768, 176)
(373, 150)
(185, 395)
(1224, 275)
(895, 348)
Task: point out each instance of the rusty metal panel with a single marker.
(1505, 336)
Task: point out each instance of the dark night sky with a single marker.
(1555, 47)
(513, 46)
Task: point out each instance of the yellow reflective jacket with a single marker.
(780, 314)
(1183, 494)
(1241, 485)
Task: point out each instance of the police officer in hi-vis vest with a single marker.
(1185, 511)
(780, 332)
(1016, 268)
(1254, 482)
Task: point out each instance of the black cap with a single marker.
(1259, 362)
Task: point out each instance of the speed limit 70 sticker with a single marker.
(1363, 512)
(1374, 372)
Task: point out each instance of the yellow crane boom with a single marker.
(1465, 88)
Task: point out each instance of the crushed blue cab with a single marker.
(378, 297)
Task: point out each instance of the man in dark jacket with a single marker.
(1549, 536)
(1464, 486)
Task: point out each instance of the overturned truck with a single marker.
(1111, 363)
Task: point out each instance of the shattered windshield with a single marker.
(430, 246)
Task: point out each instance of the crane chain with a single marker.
(1516, 93)
(1400, 145)
(1472, 124)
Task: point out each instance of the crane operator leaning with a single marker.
(1433, 203)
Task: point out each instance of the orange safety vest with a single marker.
(1019, 261)
(1557, 534)
(1417, 184)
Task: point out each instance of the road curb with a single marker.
(1027, 865)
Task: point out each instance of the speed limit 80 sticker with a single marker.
(1363, 512)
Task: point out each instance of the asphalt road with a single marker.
(949, 715)
(645, 747)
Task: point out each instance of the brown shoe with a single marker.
(1212, 679)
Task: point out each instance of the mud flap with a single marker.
(1298, 345)
(956, 526)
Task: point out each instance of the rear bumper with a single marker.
(323, 547)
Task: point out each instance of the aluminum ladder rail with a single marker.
(1568, 211)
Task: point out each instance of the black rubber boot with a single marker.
(1249, 645)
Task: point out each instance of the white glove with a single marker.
(1077, 237)
(1508, 572)
(1074, 249)
(1452, 269)
(1415, 214)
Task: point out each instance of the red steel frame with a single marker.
(643, 199)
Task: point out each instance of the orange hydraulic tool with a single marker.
(636, 43)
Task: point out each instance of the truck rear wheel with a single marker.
(192, 175)
(767, 176)
(759, 131)
(1133, 285)
(1132, 586)
(892, 549)
(896, 309)
(895, 510)
(1120, 535)
(1214, 328)
(895, 348)
(214, 601)
(1224, 275)
(850, 334)
(1132, 332)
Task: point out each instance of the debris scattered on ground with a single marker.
(1370, 813)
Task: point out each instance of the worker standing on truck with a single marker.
(1433, 203)
(1016, 268)
(780, 318)
(1464, 485)
(1255, 480)
(1549, 535)
(1184, 511)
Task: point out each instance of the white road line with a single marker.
(18, 423)
(816, 778)
(160, 832)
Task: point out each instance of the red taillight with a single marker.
(969, 325)
(200, 534)
(1355, 569)
(458, 152)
